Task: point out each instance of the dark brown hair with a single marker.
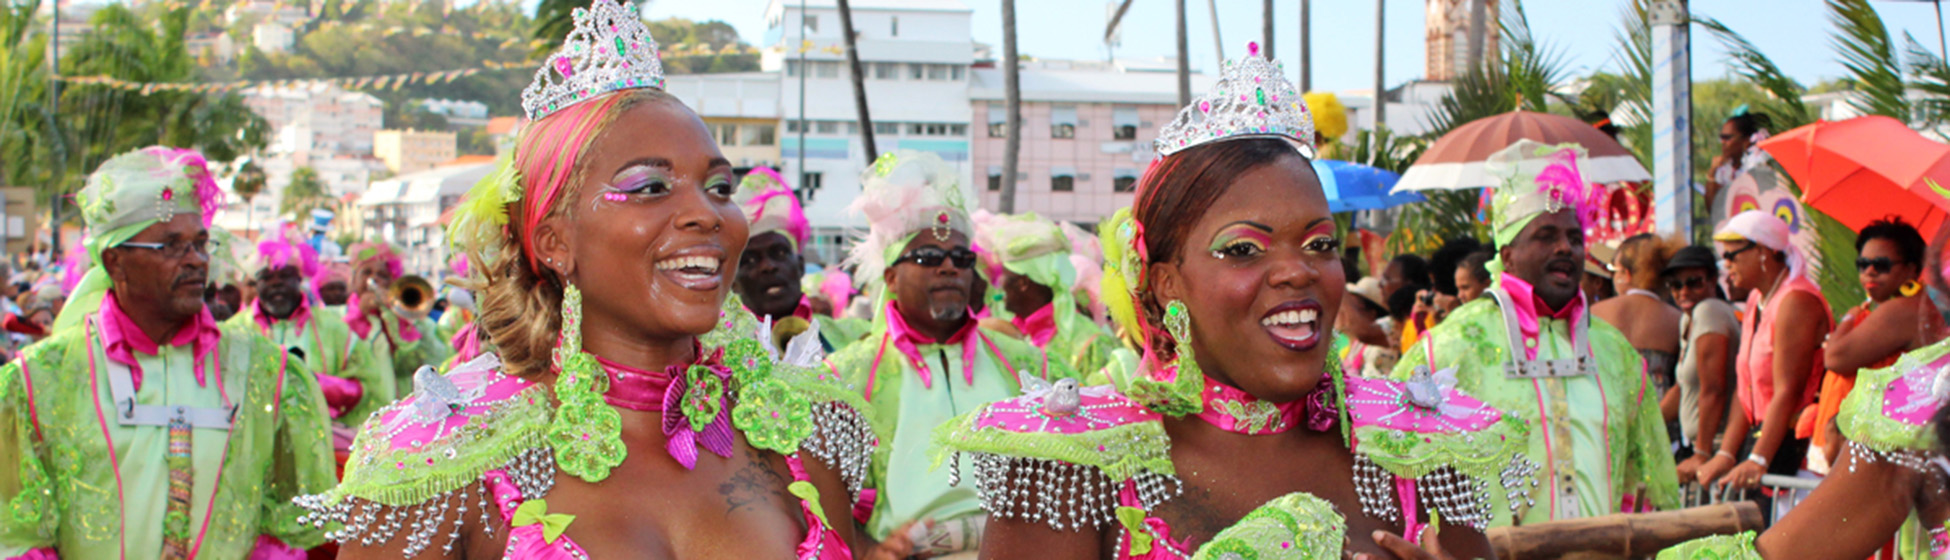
(1175, 192)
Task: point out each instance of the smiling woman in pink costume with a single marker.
(1236, 437)
(630, 408)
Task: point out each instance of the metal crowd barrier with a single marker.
(1777, 494)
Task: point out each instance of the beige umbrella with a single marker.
(1456, 159)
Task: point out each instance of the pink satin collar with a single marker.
(909, 341)
(122, 339)
(355, 317)
(651, 391)
(1040, 326)
(300, 318)
(1522, 292)
(1236, 411)
(804, 311)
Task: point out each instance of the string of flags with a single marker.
(382, 82)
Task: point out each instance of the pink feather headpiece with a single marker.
(283, 249)
(770, 205)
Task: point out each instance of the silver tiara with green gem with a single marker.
(609, 50)
(1253, 99)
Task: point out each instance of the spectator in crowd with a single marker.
(1709, 333)
(1897, 318)
(1641, 312)
(1473, 276)
(1780, 360)
(1371, 350)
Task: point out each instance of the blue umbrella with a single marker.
(1352, 186)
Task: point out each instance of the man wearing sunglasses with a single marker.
(141, 428)
(926, 361)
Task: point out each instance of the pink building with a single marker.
(1087, 133)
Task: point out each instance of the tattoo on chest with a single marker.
(1194, 513)
(753, 485)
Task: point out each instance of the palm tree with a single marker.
(303, 193)
(859, 81)
(1870, 57)
(1012, 104)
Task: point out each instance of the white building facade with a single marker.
(916, 55)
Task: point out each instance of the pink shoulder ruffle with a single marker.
(1095, 408)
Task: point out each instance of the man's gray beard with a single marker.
(944, 312)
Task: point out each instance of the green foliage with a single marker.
(402, 38)
(1931, 76)
(303, 193)
(1870, 56)
(31, 147)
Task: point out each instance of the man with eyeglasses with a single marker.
(142, 428)
(355, 382)
(926, 361)
(1531, 348)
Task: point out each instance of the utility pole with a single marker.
(1184, 61)
(1672, 115)
(54, 103)
(1012, 105)
(1306, 46)
(859, 82)
(1266, 28)
(1380, 63)
(804, 191)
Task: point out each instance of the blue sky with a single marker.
(1795, 33)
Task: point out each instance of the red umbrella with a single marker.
(1866, 168)
(1455, 161)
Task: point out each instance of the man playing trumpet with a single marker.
(389, 311)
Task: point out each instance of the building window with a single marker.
(809, 183)
(955, 72)
(727, 134)
(1063, 121)
(812, 23)
(995, 178)
(826, 69)
(1125, 181)
(887, 128)
(886, 70)
(998, 121)
(1061, 181)
(757, 135)
(894, 26)
(794, 126)
(957, 130)
(792, 68)
(917, 71)
(826, 127)
(938, 71)
(1123, 123)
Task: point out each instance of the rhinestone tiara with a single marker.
(1253, 99)
(609, 50)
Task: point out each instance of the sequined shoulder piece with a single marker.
(789, 400)
(1888, 415)
(1296, 526)
(1451, 444)
(1078, 445)
(1719, 547)
(449, 432)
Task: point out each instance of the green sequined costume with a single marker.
(70, 479)
(329, 348)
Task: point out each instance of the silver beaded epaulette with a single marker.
(1066, 496)
(843, 440)
(609, 50)
(1253, 99)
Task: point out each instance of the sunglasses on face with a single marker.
(930, 257)
(1880, 264)
(1734, 254)
(1688, 283)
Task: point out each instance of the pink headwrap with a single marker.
(371, 250)
(838, 289)
(281, 250)
(770, 205)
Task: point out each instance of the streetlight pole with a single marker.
(1380, 63)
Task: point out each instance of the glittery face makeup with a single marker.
(1240, 240)
(653, 181)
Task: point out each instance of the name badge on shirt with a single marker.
(1546, 369)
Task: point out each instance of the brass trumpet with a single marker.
(410, 296)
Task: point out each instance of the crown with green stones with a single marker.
(609, 50)
(1253, 99)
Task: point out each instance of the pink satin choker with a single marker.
(1236, 411)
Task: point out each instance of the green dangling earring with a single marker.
(586, 433)
(1180, 395)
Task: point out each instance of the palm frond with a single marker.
(1534, 68)
(1870, 57)
(1786, 109)
(1931, 76)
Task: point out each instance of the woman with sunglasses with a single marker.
(1709, 332)
(1898, 317)
(1780, 359)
